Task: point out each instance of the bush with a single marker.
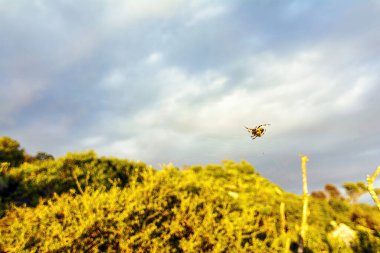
(83, 203)
(10, 151)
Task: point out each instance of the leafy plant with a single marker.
(85, 203)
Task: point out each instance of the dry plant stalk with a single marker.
(304, 159)
(282, 228)
(370, 181)
(77, 183)
(282, 218)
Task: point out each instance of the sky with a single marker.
(176, 81)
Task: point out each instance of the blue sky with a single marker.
(176, 81)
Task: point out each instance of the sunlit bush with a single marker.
(82, 203)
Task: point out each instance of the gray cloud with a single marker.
(177, 81)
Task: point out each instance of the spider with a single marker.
(257, 131)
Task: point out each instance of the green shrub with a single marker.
(83, 203)
(10, 151)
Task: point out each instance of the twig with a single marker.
(285, 237)
(77, 183)
(304, 159)
(370, 181)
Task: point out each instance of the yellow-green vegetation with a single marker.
(85, 203)
(10, 151)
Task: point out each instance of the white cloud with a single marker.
(352, 99)
(205, 13)
(92, 141)
(180, 93)
(121, 13)
(292, 92)
(116, 79)
(155, 57)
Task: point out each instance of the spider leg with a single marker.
(264, 125)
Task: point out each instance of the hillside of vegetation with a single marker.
(84, 203)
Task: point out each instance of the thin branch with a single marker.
(304, 160)
(77, 182)
(370, 181)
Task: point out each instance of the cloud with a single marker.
(176, 81)
(123, 13)
(205, 13)
(17, 94)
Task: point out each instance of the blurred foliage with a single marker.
(319, 195)
(10, 151)
(42, 178)
(84, 203)
(332, 191)
(43, 156)
(355, 190)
